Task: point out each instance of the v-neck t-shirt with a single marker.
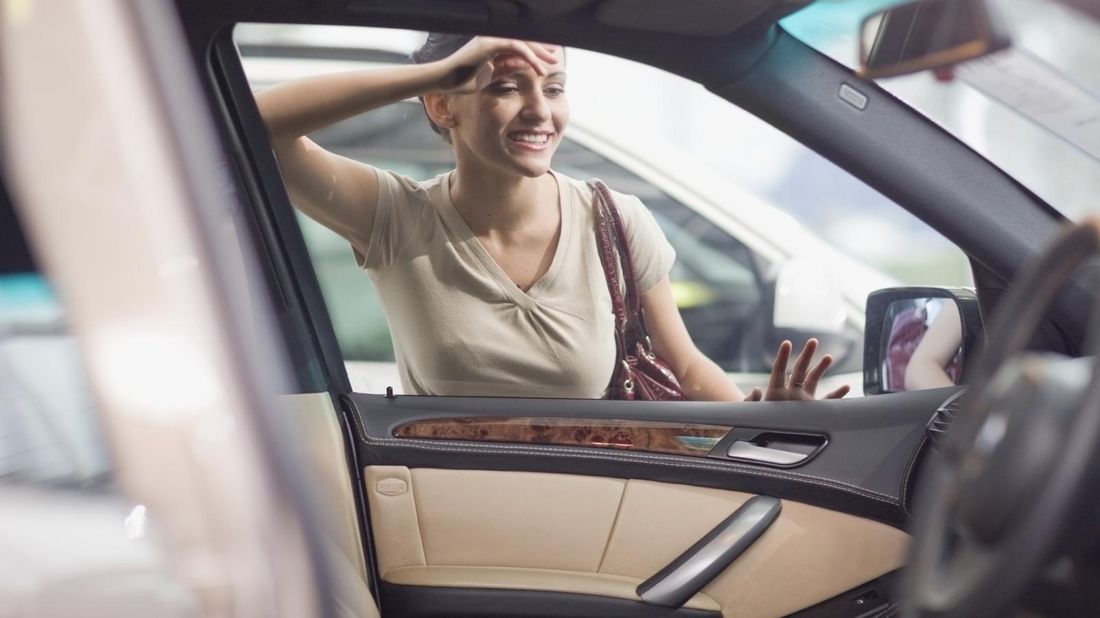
(460, 326)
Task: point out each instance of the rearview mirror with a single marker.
(927, 34)
(918, 338)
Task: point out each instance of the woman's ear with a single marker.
(438, 108)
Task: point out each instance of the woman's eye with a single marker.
(503, 88)
(553, 91)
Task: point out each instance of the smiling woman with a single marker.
(490, 275)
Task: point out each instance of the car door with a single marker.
(543, 507)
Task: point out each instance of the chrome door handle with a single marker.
(742, 449)
(673, 585)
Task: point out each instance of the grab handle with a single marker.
(673, 585)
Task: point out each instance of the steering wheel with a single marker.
(1001, 497)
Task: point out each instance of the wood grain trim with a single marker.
(653, 437)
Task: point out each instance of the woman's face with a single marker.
(515, 123)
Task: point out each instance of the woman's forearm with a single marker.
(704, 380)
(296, 108)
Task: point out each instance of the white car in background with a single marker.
(747, 275)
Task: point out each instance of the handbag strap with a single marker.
(607, 260)
(611, 237)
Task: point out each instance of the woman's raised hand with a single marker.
(801, 383)
(471, 67)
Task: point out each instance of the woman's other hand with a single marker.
(471, 68)
(801, 383)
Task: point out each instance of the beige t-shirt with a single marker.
(459, 324)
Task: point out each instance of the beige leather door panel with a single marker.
(592, 535)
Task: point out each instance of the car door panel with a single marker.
(458, 521)
(690, 440)
(865, 469)
(532, 579)
(588, 535)
(440, 602)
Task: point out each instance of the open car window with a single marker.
(747, 209)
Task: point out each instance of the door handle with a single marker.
(743, 449)
(673, 585)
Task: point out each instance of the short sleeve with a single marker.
(653, 255)
(403, 206)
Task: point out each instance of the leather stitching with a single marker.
(909, 473)
(667, 460)
(632, 458)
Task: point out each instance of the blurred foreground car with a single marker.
(179, 434)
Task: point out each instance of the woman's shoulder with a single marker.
(582, 189)
(404, 196)
(399, 185)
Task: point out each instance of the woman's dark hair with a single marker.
(437, 47)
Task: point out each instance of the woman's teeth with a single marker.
(531, 138)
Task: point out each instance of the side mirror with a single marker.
(928, 34)
(918, 338)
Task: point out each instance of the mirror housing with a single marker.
(898, 322)
(928, 34)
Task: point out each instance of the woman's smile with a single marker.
(533, 141)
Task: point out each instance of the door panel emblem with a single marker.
(392, 487)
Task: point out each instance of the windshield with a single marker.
(1033, 109)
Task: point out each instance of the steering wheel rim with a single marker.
(996, 499)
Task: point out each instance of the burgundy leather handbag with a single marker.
(639, 373)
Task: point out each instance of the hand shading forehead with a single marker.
(509, 63)
(506, 64)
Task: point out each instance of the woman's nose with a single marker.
(536, 106)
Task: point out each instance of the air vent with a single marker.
(941, 420)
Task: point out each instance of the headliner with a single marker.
(682, 17)
(682, 36)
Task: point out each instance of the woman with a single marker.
(935, 359)
(489, 274)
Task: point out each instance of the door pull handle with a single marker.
(673, 585)
(743, 449)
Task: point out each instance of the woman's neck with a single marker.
(502, 203)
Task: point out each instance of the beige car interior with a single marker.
(577, 534)
(316, 422)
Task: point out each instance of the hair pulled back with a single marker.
(438, 46)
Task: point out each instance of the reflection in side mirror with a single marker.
(927, 34)
(923, 344)
(918, 338)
